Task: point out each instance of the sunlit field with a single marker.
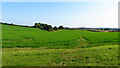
(23, 46)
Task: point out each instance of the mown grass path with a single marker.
(82, 42)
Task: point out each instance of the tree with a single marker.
(37, 25)
(55, 28)
(61, 27)
(47, 27)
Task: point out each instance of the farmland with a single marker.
(24, 46)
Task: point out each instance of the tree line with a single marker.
(47, 27)
(39, 25)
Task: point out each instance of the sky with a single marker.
(68, 14)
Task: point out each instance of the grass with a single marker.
(15, 36)
(94, 56)
(31, 37)
(24, 46)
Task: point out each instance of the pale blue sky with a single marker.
(72, 14)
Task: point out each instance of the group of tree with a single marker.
(38, 25)
(47, 27)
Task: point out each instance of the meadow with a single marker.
(24, 46)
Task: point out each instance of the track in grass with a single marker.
(34, 47)
(15, 36)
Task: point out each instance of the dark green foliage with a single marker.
(61, 27)
(55, 28)
(47, 27)
(37, 25)
(43, 26)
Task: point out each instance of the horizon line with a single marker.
(63, 26)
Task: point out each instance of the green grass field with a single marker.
(24, 46)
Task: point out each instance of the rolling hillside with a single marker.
(58, 48)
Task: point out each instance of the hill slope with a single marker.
(24, 46)
(15, 36)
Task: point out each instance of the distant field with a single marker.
(24, 46)
(15, 36)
